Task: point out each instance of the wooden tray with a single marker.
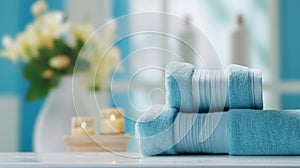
(97, 143)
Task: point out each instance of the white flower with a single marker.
(7, 41)
(27, 44)
(47, 28)
(24, 47)
(39, 7)
(82, 31)
(41, 33)
(52, 25)
(11, 51)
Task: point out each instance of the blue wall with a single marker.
(290, 101)
(30, 110)
(290, 49)
(9, 71)
(121, 8)
(290, 39)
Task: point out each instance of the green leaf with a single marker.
(36, 92)
(39, 87)
(33, 70)
(47, 53)
(78, 48)
(59, 45)
(80, 44)
(55, 80)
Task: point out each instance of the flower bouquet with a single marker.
(50, 46)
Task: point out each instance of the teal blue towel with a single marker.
(169, 132)
(264, 132)
(239, 132)
(178, 81)
(190, 90)
(187, 130)
(154, 131)
(245, 88)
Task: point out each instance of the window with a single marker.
(216, 19)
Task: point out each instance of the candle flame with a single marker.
(112, 117)
(83, 125)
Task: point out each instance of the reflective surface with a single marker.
(112, 160)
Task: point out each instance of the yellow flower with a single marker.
(60, 62)
(48, 74)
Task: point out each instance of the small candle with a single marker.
(82, 126)
(112, 121)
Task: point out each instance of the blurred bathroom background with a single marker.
(265, 32)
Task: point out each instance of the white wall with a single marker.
(96, 11)
(9, 123)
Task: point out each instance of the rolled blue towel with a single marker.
(154, 130)
(264, 132)
(190, 90)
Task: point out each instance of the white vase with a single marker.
(54, 120)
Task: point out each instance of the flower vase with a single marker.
(54, 119)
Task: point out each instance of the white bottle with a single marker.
(240, 44)
(187, 43)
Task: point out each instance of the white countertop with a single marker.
(87, 160)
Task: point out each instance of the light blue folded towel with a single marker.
(239, 132)
(188, 128)
(190, 90)
(178, 81)
(264, 132)
(154, 130)
(245, 88)
(167, 132)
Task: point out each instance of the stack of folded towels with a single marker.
(216, 112)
